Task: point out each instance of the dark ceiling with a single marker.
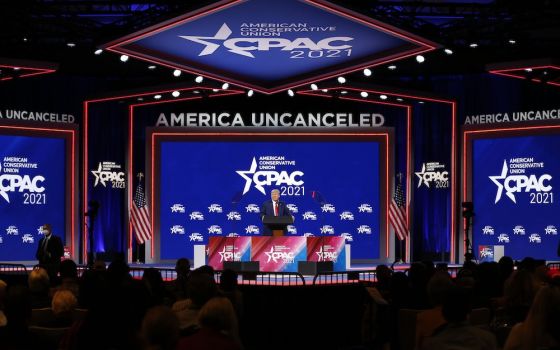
(41, 30)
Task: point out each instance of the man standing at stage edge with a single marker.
(49, 251)
(274, 207)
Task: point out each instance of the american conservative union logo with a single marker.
(271, 45)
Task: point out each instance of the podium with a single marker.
(277, 224)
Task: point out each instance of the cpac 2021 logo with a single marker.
(433, 173)
(539, 187)
(268, 178)
(18, 183)
(249, 46)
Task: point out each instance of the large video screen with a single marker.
(32, 193)
(214, 187)
(514, 191)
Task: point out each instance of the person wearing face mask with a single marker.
(49, 251)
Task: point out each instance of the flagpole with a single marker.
(140, 175)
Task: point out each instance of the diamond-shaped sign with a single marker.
(271, 45)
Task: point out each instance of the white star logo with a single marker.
(97, 174)
(222, 254)
(209, 47)
(248, 179)
(420, 175)
(270, 255)
(321, 254)
(495, 179)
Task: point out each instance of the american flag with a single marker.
(397, 213)
(140, 216)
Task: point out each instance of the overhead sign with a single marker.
(271, 45)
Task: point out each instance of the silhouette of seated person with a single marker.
(457, 333)
(201, 287)
(218, 328)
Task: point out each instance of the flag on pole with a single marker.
(139, 214)
(397, 212)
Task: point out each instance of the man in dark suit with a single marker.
(49, 251)
(274, 207)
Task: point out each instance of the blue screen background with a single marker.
(504, 216)
(198, 174)
(49, 154)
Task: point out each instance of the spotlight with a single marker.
(157, 97)
(140, 98)
(325, 90)
(341, 80)
(199, 79)
(25, 40)
(421, 102)
(343, 92)
(17, 68)
(448, 51)
(473, 45)
(124, 58)
(364, 94)
(400, 99)
(152, 67)
(291, 93)
(98, 52)
(225, 86)
(177, 73)
(511, 41)
(420, 59)
(250, 93)
(383, 97)
(528, 70)
(196, 92)
(367, 72)
(392, 67)
(314, 87)
(71, 44)
(175, 94)
(215, 90)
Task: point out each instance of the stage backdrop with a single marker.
(215, 186)
(514, 181)
(33, 191)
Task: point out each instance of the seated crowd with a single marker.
(485, 306)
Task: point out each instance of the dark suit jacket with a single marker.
(267, 208)
(54, 247)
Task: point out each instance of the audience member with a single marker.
(429, 320)
(3, 287)
(540, 328)
(200, 288)
(39, 286)
(457, 334)
(160, 328)
(183, 270)
(218, 328)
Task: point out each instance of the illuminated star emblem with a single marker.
(321, 254)
(222, 254)
(270, 255)
(420, 175)
(209, 47)
(495, 179)
(97, 174)
(249, 180)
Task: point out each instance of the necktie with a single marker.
(275, 208)
(45, 242)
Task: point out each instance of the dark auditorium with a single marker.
(280, 174)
